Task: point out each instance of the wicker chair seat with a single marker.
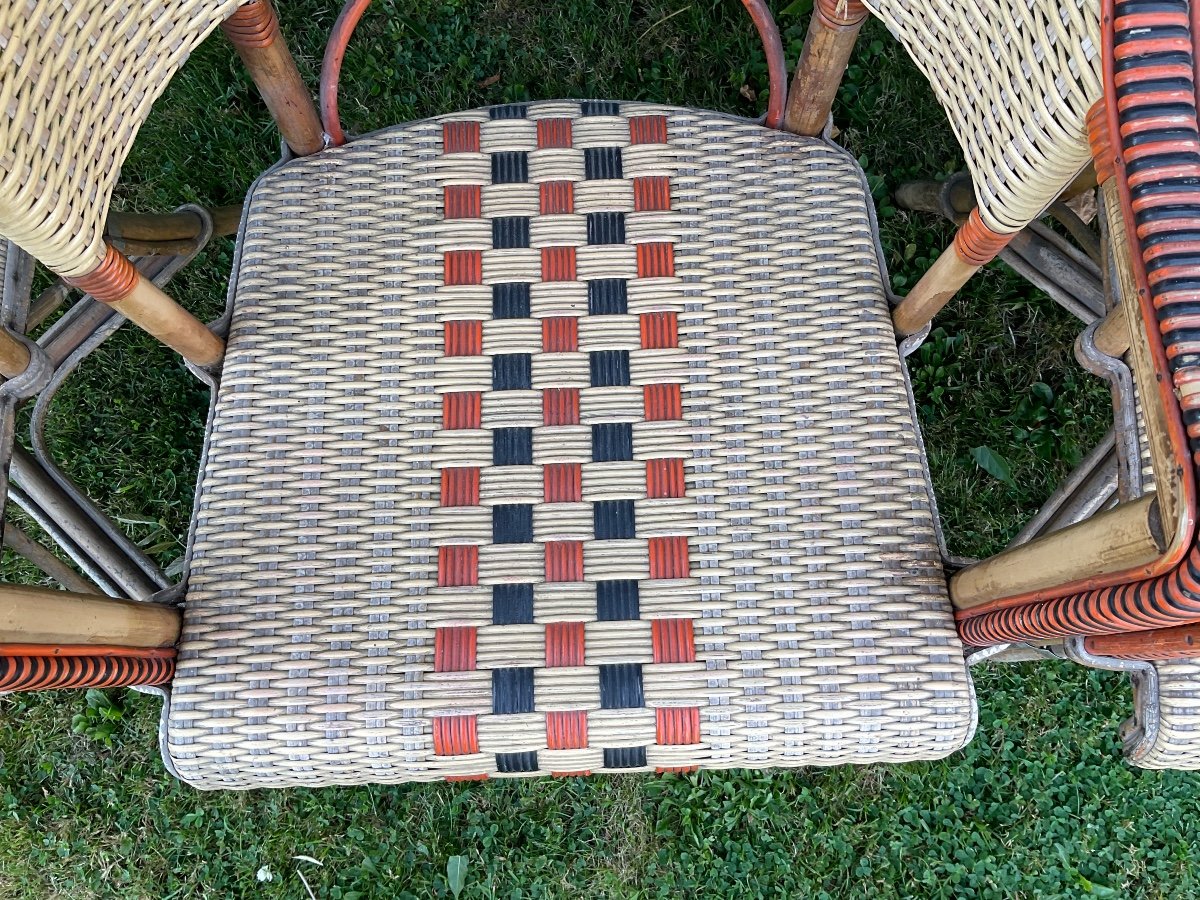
(559, 438)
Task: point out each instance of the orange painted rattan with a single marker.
(110, 281)
(252, 25)
(976, 244)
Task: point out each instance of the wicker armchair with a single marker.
(575, 436)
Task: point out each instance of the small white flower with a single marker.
(265, 874)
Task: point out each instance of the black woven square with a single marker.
(510, 167)
(617, 601)
(601, 162)
(599, 108)
(609, 368)
(512, 604)
(612, 442)
(510, 232)
(513, 447)
(625, 758)
(606, 228)
(509, 111)
(621, 686)
(510, 300)
(613, 519)
(512, 372)
(517, 762)
(512, 523)
(512, 690)
(608, 297)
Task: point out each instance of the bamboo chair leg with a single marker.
(117, 283)
(975, 245)
(14, 356)
(30, 615)
(832, 32)
(1124, 537)
(254, 32)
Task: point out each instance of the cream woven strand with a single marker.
(77, 79)
(1016, 78)
(1177, 743)
(329, 637)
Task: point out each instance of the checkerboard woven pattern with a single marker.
(560, 438)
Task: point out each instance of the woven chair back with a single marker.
(1016, 78)
(77, 79)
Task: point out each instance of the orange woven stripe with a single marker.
(676, 770)
(455, 736)
(668, 557)
(558, 264)
(560, 406)
(562, 483)
(662, 402)
(560, 334)
(648, 129)
(460, 137)
(651, 192)
(556, 197)
(553, 133)
(463, 338)
(564, 644)
(462, 409)
(458, 565)
(460, 486)
(676, 727)
(664, 479)
(566, 730)
(464, 201)
(660, 330)
(463, 267)
(673, 640)
(655, 260)
(564, 561)
(110, 281)
(454, 649)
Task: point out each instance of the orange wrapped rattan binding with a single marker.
(1101, 143)
(253, 25)
(110, 281)
(976, 244)
(54, 669)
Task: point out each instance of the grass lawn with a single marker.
(1040, 804)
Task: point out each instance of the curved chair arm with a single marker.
(352, 12)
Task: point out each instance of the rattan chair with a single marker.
(575, 436)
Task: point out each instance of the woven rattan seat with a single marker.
(560, 438)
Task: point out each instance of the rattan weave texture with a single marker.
(77, 79)
(1016, 78)
(1177, 743)
(562, 438)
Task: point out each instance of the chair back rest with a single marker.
(77, 79)
(1016, 78)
